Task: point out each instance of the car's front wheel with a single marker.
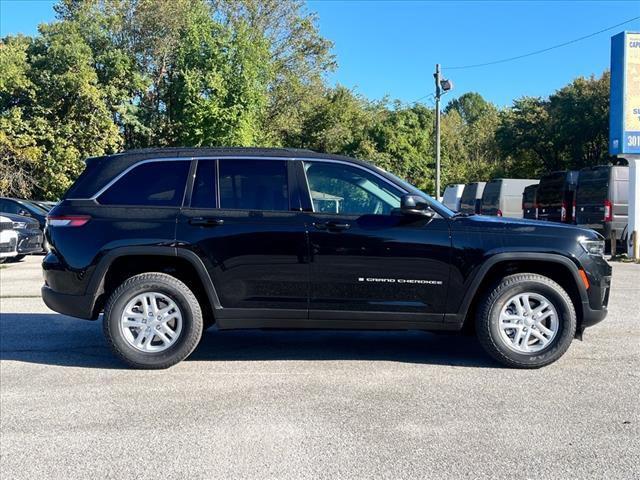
(152, 321)
(526, 321)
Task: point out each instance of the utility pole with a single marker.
(442, 87)
(438, 94)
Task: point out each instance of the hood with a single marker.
(526, 226)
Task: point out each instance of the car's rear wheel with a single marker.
(152, 321)
(526, 321)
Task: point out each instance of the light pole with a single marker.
(442, 87)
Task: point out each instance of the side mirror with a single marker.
(415, 205)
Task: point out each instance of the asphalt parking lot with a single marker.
(313, 404)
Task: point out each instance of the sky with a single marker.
(390, 48)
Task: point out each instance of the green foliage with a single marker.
(109, 75)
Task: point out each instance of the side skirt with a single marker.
(232, 318)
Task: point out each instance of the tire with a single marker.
(498, 311)
(18, 258)
(185, 333)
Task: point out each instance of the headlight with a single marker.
(592, 247)
(19, 225)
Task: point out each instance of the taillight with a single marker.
(499, 213)
(608, 211)
(68, 220)
(563, 212)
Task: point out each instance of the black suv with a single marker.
(168, 242)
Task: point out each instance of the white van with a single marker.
(502, 197)
(452, 196)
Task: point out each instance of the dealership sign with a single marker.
(624, 120)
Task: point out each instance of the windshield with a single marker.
(33, 208)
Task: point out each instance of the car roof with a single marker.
(100, 170)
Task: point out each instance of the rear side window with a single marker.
(253, 184)
(157, 184)
(204, 187)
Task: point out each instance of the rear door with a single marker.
(491, 198)
(550, 197)
(243, 219)
(468, 198)
(365, 258)
(593, 188)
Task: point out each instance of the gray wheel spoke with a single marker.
(145, 322)
(521, 324)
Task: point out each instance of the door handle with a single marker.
(337, 226)
(332, 226)
(206, 221)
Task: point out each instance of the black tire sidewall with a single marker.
(566, 321)
(176, 352)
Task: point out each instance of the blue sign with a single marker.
(624, 115)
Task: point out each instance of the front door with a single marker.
(367, 258)
(243, 220)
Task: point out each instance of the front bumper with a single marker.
(80, 306)
(30, 242)
(594, 308)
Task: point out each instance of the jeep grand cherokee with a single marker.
(167, 242)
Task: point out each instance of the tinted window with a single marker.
(593, 186)
(491, 194)
(551, 190)
(529, 196)
(8, 206)
(339, 188)
(156, 184)
(253, 184)
(468, 197)
(204, 186)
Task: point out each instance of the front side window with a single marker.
(342, 189)
(253, 184)
(158, 184)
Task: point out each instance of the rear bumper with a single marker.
(80, 306)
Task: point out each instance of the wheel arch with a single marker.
(123, 262)
(561, 269)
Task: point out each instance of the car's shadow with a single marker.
(53, 339)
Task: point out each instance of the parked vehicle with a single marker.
(471, 200)
(602, 201)
(166, 242)
(452, 195)
(555, 195)
(30, 237)
(529, 207)
(8, 240)
(24, 208)
(502, 197)
(45, 205)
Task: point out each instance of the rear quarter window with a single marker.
(156, 184)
